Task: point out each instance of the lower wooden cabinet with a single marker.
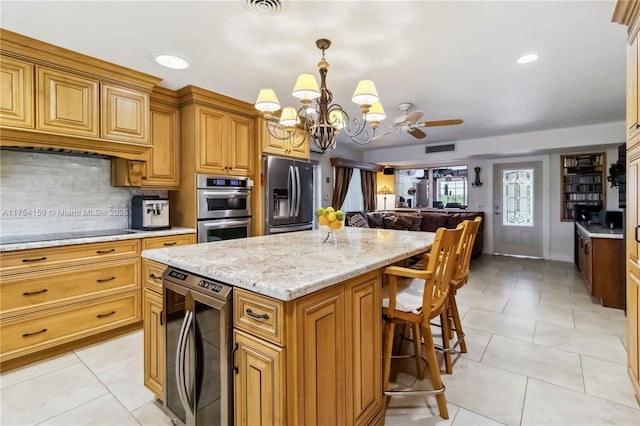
(26, 334)
(259, 381)
(154, 342)
(601, 263)
(332, 347)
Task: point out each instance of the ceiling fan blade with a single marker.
(417, 133)
(413, 116)
(441, 123)
(385, 133)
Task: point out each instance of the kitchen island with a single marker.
(306, 318)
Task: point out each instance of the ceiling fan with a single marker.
(408, 122)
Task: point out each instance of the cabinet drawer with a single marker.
(31, 333)
(258, 315)
(23, 293)
(152, 275)
(169, 241)
(18, 261)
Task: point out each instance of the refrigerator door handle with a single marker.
(292, 191)
(298, 195)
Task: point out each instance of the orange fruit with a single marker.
(336, 224)
(323, 220)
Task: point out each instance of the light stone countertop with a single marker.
(291, 265)
(128, 234)
(599, 231)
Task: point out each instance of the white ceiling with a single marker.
(450, 59)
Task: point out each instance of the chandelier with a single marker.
(321, 119)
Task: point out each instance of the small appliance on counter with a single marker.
(611, 219)
(149, 212)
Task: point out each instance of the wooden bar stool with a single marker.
(414, 297)
(459, 278)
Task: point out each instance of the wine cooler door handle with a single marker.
(180, 361)
(298, 194)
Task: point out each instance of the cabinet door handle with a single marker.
(154, 277)
(105, 251)
(637, 125)
(172, 243)
(161, 320)
(31, 293)
(104, 280)
(105, 315)
(234, 367)
(258, 316)
(37, 259)
(33, 334)
(636, 231)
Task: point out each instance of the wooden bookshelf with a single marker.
(583, 182)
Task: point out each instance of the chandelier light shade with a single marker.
(321, 119)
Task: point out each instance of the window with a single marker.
(517, 197)
(354, 201)
(432, 187)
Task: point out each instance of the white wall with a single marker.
(51, 193)
(485, 152)
(324, 191)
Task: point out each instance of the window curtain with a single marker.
(368, 182)
(343, 177)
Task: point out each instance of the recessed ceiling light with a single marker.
(525, 59)
(170, 60)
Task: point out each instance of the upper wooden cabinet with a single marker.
(162, 168)
(124, 114)
(67, 103)
(271, 145)
(50, 93)
(16, 96)
(224, 141)
(633, 78)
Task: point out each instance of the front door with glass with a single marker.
(518, 209)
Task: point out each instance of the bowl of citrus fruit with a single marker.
(332, 220)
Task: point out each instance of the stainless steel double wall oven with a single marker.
(224, 208)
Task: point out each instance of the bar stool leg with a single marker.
(417, 348)
(444, 321)
(388, 349)
(434, 370)
(457, 323)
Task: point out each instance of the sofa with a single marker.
(419, 220)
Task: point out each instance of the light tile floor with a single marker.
(540, 353)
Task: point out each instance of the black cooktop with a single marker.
(63, 236)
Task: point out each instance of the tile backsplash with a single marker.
(54, 193)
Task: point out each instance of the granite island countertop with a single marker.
(71, 238)
(289, 266)
(598, 231)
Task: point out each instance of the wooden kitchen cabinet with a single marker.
(332, 346)
(284, 148)
(154, 342)
(16, 93)
(152, 311)
(633, 85)
(124, 114)
(600, 261)
(67, 103)
(162, 168)
(633, 266)
(224, 142)
(259, 381)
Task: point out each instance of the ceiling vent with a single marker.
(430, 149)
(265, 7)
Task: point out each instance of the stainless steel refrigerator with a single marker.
(288, 195)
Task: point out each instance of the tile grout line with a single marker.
(584, 382)
(524, 400)
(73, 408)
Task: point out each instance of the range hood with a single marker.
(45, 150)
(66, 144)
